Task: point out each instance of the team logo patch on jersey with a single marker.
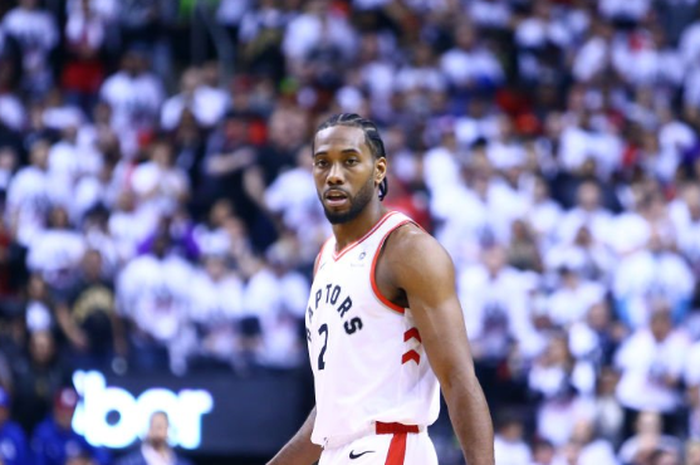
(359, 262)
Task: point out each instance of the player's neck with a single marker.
(347, 233)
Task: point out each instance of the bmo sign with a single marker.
(214, 413)
(112, 416)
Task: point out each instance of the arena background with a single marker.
(159, 220)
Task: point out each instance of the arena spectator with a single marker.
(134, 94)
(33, 32)
(276, 297)
(564, 386)
(692, 453)
(594, 449)
(205, 103)
(56, 251)
(155, 448)
(153, 295)
(14, 449)
(86, 313)
(509, 445)
(54, 441)
(30, 194)
(652, 274)
(217, 306)
(648, 439)
(692, 381)
(36, 377)
(651, 362)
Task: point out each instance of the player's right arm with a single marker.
(299, 450)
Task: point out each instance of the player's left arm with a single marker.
(415, 263)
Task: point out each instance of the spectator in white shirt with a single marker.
(421, 74)
(591, 259)
(495, 303)
(477, 125)
(30, 195)
(564, 385)
(57, 251)
(490, 14)
(129, 226)
(217, 302)
(12, 111)
(594, 450)
(377, 72)
(159, 185)
(594, 57)
(685, 215)
(211, 235)
(609, 416)
(293, 198)
(656, 272)
(36, 34)
(69, 162)
(276, 296)
(573, 298)
(304, 32)
(154, 295)
(469, 66)
(651, 362)
(624, 10)
(589, 212)
(692, 382)
(543, 213)
(208, 105)
(509, 445)
(596, 338)
(648, 439)
(134, 93)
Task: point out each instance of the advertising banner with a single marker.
(214, 413)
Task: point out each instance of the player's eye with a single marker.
(320, 163)
(352, 161)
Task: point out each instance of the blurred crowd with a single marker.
(159, 213)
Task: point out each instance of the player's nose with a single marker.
(335, 174)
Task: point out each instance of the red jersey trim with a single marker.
(373, 271)
(338, 255)
(397, 450)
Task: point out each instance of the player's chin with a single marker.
(337, 215)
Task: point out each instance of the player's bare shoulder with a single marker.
(412, 253)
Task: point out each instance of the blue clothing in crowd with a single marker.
(13, 445)
(52, 445)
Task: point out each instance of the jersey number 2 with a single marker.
(321, 362)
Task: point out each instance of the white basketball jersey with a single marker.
(366, 354)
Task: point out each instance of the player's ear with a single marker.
(380, 168)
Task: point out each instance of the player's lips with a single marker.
(335, 197)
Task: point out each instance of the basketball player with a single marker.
(383, 323)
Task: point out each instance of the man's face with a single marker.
(345, 171)
(158, 430)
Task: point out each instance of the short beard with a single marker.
(357, 205)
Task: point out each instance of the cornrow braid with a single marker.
(372, 138)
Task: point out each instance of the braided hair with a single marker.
(372, 138)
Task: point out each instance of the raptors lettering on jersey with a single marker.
(367, 357)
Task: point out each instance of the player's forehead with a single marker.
(339, 139)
